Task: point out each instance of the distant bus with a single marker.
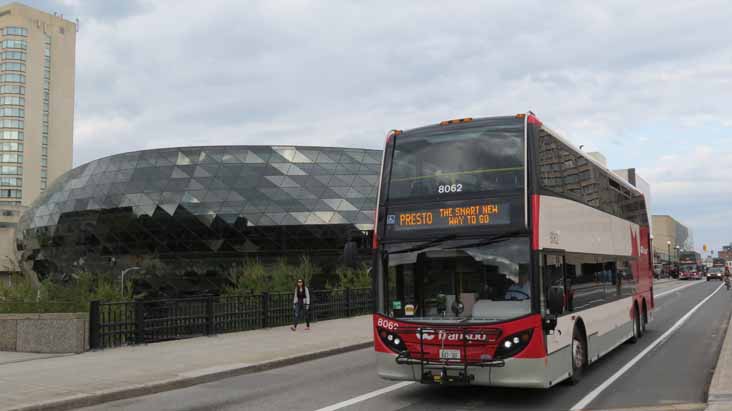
(690, 266)
(504, 256)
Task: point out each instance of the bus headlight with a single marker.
(392, 340)
(513, 344)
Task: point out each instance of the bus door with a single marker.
(556, 297)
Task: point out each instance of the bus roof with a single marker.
(474, 122)
(482, 121)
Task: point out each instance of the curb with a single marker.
(719, 397)
(193, 378)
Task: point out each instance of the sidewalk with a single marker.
(11, 357)
(107, 375)
(720, 390)
(663, 280)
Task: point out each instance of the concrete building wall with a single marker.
(666, 229)
(9, 216)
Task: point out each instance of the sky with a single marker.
(645, 83)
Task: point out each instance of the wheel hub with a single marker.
(578, 354)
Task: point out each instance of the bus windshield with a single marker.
(479, 158)
(687, 268)
(460, 280)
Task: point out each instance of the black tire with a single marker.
(579, 355)
(637, 333)
(644, 321)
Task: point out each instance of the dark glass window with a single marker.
(463, 160)
(564, 171)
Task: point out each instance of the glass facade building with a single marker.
(201, 206)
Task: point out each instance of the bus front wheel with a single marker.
(579, 355)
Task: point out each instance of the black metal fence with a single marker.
(113, 324)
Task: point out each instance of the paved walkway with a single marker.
(93, 377)
(720, 390)
(11, 357)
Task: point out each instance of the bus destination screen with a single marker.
(467, 214)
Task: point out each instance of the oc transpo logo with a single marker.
(442, 335)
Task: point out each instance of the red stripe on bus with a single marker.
(535, 203)
(533, 120)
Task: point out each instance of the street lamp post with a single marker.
(668, 254)
(677, 253)
(122, 278)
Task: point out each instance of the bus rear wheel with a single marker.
(644, 319)
(637, 327)
(579, 356)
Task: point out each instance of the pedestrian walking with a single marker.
(301, 305)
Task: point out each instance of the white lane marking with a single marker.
(584, 402)
(679, 288)
(364, 397)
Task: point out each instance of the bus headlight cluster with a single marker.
(391, 340)
(513, 344)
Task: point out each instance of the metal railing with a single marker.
(113, 324)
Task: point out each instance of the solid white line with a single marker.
(369, 395)
(584, 402)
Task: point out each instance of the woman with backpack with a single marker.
(301, 304)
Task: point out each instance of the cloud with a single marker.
(637, 81)
(695, 187)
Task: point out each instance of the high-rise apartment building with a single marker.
(37, 69)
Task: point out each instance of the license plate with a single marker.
(449, 354)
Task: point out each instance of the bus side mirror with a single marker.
(549, 323)
(555, 300)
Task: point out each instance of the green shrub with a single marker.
(285, 276)
(21, 296)
(358, 277)
(248, 278)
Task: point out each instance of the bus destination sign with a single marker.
(475, 213)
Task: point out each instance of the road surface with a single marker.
(675, 371)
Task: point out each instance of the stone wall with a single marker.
(44, 333)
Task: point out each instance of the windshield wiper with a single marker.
(422, 246)
(489, 240)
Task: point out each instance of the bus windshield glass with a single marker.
(460, 280)
(479, 158)
(687, 268)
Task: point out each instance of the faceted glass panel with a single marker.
(207, 206)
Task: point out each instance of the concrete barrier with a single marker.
(44, 333)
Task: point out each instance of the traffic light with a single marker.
(705, 248)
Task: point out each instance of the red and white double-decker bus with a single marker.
(503, 256)
(690, 265)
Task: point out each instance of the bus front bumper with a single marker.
(512, 372)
